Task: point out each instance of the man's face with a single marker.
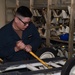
(23, 23)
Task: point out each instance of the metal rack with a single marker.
(53, 4)
(11, 6)
(71, 26)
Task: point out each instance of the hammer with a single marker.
(44, 63)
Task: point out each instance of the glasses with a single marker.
(25, 23)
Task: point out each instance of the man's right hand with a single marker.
(19, 46)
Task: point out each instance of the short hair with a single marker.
(24, 11)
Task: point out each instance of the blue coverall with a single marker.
(8, 39)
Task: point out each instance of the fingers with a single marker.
(28, 48)
(20, 45)
(16, 49)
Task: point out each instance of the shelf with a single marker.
(59, 6)
(57, 39)
(10, 8)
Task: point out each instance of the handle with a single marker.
(44, 63)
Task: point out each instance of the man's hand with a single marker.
(28, 48)
(21, 46)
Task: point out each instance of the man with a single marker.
(19, 37)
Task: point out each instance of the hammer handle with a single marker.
(44, 63)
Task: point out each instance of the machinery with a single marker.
(69, 67)
(58, 66)
(33, 67)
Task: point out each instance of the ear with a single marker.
(16, 19)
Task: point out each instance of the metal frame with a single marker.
(32, 66)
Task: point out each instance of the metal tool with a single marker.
(44, 63)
